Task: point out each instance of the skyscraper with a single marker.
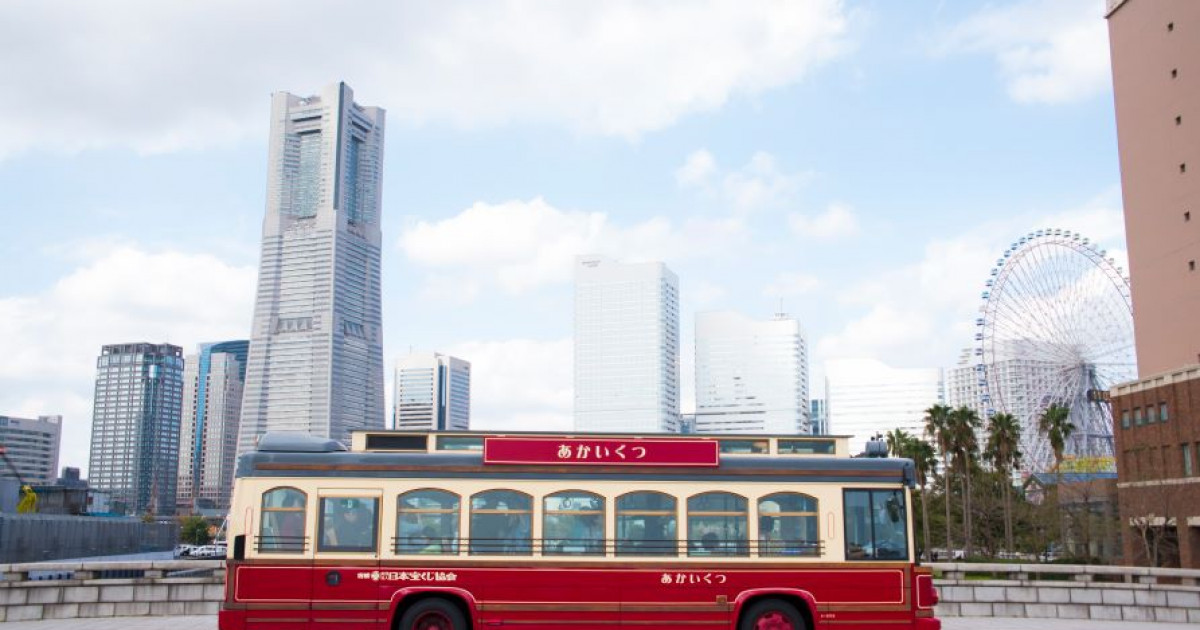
(213, 380)
(316, 348)
(626, 346)
(433, 393)
(751, 376)
(32, 446)
(866, 397)
(135, 426)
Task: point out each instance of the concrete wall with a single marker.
(39, 537)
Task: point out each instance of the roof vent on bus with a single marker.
(283, 442)
(876, 448)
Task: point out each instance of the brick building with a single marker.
(1158, 460)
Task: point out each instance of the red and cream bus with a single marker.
(456, 531)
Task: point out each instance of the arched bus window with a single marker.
(282, 528)
(427, 522)
(646, 524)
(349, 524)
(573, 524)
(787, 525)
(500, 523)
(717, 525)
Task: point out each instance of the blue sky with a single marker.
(862, 163)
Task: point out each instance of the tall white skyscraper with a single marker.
(32, 446)
(316, 349)
(751, 376)
(213, 381)
(626, 346)
(433, 393)
(866, 397)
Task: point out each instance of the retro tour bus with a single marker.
(460, 530)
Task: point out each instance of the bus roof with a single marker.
(397, 454)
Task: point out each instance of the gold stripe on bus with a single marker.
(344, 605)
(277, 620)
(866, 622)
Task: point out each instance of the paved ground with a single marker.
(209, 622)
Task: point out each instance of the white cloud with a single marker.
(789, 284)
(50, 340)
(838, 220)
(923, 314)
(758, 184)
(1049, 51)
(696, 170)
(520, 384)
(522, 245)
(164, 76)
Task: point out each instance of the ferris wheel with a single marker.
(1057, 328)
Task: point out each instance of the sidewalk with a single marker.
(209, 622)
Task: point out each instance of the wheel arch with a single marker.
(405, 598)
(804, 602)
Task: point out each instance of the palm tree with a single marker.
(924, 462)
(964, 445)
(937, 427)
(897, 441)
(1055, 423)
(1004, 438)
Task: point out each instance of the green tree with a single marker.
(937, 427)
(194, 530)
(1055, 424)
(924, 463)
(1003, 451)
(964, 446)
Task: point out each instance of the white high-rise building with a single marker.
(867, 397)
(316, 349)
(626, 346)
(751, 375)
(433, 393)
(32, 446)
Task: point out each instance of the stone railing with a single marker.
(62, 590)
(1068, 592)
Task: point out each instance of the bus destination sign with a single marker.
(601, 451)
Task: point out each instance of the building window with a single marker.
(787, 525)
(1138, 418)
(875, 522)
(1125, 419)
(1150, 414)
(1162, 411)
(1188, 465)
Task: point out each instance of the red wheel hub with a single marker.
(773, 620)
(433, 620)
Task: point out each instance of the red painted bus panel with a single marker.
(601, 451)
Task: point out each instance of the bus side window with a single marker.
(573, 523)
(876, 525)
(787, 525)
(282, 527)
(427, 522)
(646, 525)
(717, 525)
(349, 524)
(501, 523)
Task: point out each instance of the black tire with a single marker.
(434, 613)
(767, 608)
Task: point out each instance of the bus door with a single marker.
(345, 573)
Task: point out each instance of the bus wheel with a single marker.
(433, 614)
(771, 614)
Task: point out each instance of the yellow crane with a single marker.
(28, 502)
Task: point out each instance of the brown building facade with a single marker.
(1158, 466)
(1156, 82)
